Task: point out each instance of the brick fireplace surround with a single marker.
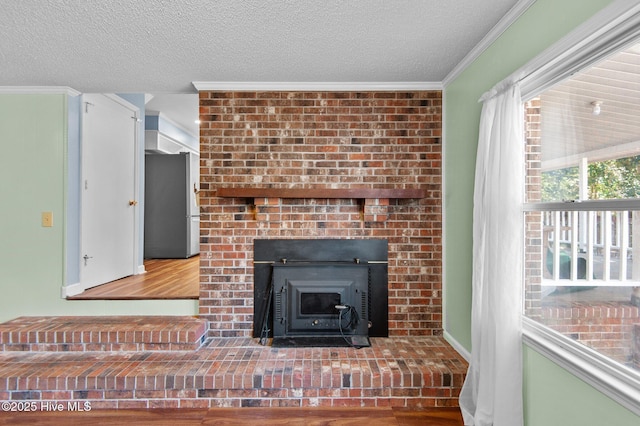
(319, 140)
(379, 154)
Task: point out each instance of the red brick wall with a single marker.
(320, 140)
(605, 327)
(534, 243)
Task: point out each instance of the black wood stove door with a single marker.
(370, 254)
(320, 299)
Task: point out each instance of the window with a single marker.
(583, 137)
(582, 209)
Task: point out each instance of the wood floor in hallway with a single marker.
(164, 279)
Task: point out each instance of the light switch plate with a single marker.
(47, 219)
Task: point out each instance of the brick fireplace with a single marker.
(307, 165)
(296, 166)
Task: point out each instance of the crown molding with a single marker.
(505, 22)
(39, 90)
(268, 86)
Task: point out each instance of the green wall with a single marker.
(555, 397)
(544, 23)
(33, 134)
(33, 167)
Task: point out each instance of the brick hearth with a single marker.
(108, 333)
(231, 372)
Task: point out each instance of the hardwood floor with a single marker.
(164, 279)
(290, 416)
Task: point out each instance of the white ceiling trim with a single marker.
(505, 22)
(38, 90)
(240, 86)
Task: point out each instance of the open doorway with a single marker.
(163, 279)
(170, 133)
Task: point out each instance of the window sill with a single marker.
(614, 380)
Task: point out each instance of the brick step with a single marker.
(110, 333)
(239, 372)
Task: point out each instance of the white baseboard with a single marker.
(457, 346)
(77, 288)
(71, 290)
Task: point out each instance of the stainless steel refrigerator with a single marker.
(171, 211)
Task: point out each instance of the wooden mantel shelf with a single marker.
(320, 193)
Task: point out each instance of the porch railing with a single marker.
(589, 248)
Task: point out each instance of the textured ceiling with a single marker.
(162, 46)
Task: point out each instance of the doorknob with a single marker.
(133, 203)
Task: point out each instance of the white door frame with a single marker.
(137, 269)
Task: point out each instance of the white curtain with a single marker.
(492, 391)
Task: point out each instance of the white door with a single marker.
(108, 190)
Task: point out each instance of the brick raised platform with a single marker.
(109, 333)
(239, 372)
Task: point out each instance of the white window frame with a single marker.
(609, 31)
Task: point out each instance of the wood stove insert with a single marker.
(320, 292)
